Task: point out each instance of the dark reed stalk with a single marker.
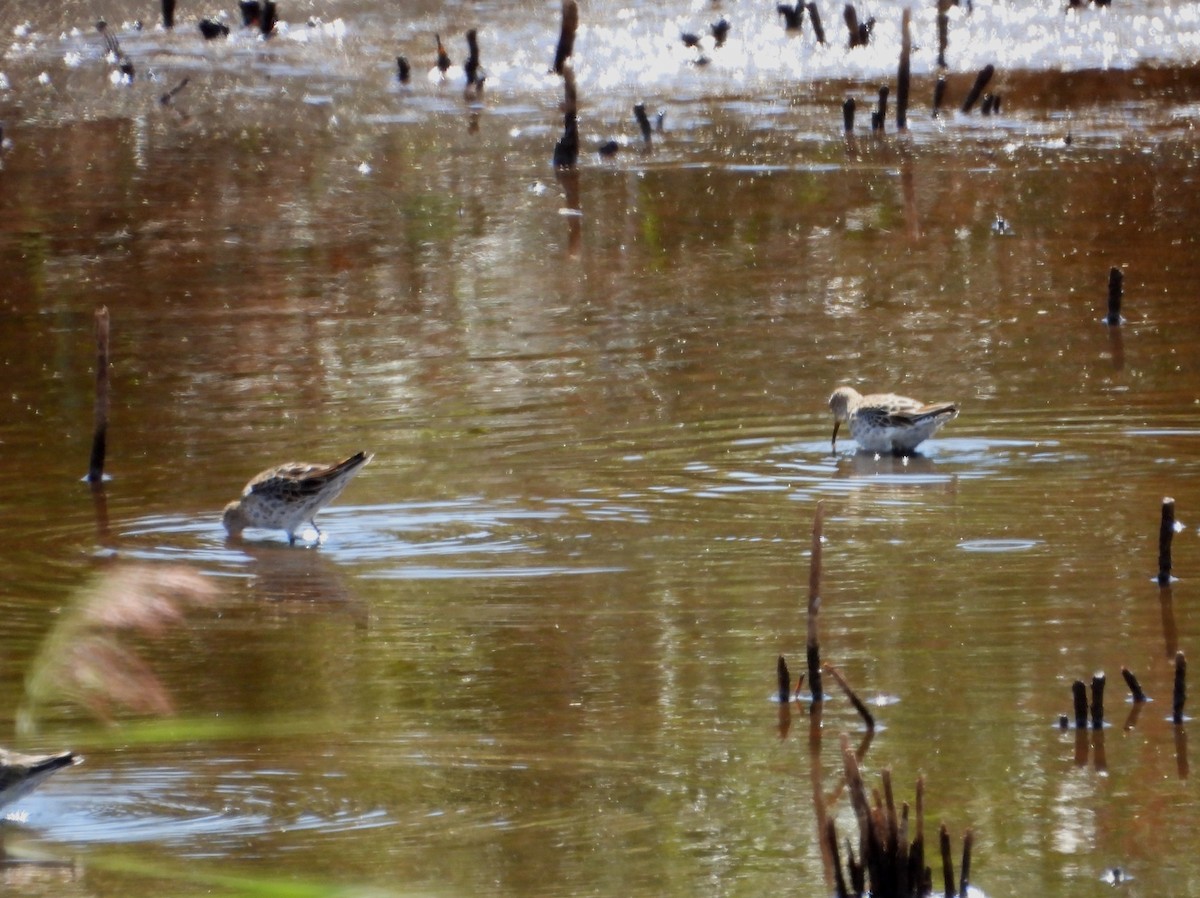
(981, 80)
(1166, 533)
(643, 120)
(785, 680)
(848, 115)
(880, 115)
(100, 410)
(1179, 695)
(813, 642)
(1097, 701)
(861, 708)
(965, 877)
(1116, 287)
(471, 66)
(943, 30)
(1135, 688)
(947, 861)
(1079, 694)
(168, 13)
(903, 75)
(266, 23)
(566, 35)
(939, 94)
(814, 16)
(831, 843)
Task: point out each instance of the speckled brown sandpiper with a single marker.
(885, 422)
(287, 496)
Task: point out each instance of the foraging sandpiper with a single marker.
(284, 497)
(885, 422)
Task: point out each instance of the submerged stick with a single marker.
(1098, 701)
(1166, 533)
(785, 681)
(1116, 287)
(861, 708)
(1079, 693)
(902, 77)
(813, 642)
(1180, 692)
(566, 35)
(100, 410)
(981, 80)
(1135, 688)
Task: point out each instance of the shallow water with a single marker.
(534, 653)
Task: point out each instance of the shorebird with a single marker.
(885, 422)
(284, 497)
(21, 774)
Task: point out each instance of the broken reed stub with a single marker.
(1179, 695)
(1079, 697)
(981, 81)
(848, 108)
(785, 681)
(1097, 708)
(643, 120)
(1116, 289)
(1166, 533)
(1135, 688)
(168, 13)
